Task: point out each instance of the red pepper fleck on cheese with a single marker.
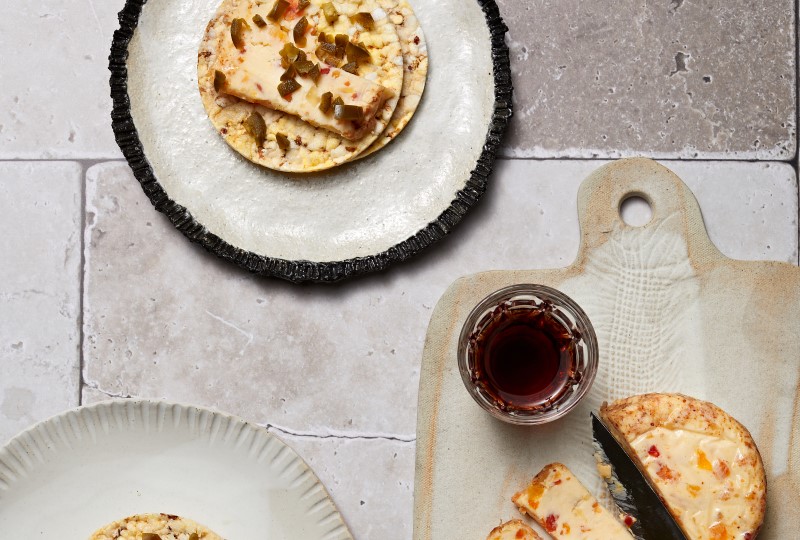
(253, 73)
(707, 470)
(567, 511)
(513, 530)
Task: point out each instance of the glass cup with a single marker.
(527, 354)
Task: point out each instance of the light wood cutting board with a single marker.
(672, 314)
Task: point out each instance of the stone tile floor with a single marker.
(100, 297)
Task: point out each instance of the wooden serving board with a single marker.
(672, 314)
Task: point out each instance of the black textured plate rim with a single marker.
(128, 140)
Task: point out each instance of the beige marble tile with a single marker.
(739, 204)
(335, 368)
(679, 78)
(90, 396)
(40, 257)
(371, 481)
(164, 319)
(55, 101)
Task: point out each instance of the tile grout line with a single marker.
(85, 164)
(794, 162)
(791, 161)
(81, 303)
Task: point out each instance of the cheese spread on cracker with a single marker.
(305, 85)
(557, 500)
(704, 464)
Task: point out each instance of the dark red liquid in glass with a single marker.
(524, 358)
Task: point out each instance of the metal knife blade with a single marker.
(632, 492)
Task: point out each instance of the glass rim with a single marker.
(588, 338)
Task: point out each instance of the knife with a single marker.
(632, 491)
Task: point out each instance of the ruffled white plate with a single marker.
(69, 475)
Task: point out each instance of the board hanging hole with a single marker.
(636, 210)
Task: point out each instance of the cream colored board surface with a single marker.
(672, 314)
(355, 210)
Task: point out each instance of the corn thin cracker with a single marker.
(415, 61)
(168, 527)
(311, 149)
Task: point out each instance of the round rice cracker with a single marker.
(632, 418)
(312, 148)
(167, 526)
(415, 60)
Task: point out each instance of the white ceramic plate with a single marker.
(69, 475)
(353, 219)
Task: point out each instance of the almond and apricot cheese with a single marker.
(704, 464)
(513, 530)
(557, 500)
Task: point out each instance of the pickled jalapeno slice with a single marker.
(219, 81)
(257, 128)
(299, 32)
(283, 141)
(290, 73)
(341, 42)
(314, 73)
(290, 53)
(327, 48)
(286, 88)
(357, 53)
(238, 28)
(327, 53)
(326, 102)
(348, 112)
(278, 9)
(364, 19)
(329, 10)
(303, 68)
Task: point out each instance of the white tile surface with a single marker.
(55, 101)
(165, 319)
(334, 368)
(742, 203)
(371, 481)
(40, 216)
